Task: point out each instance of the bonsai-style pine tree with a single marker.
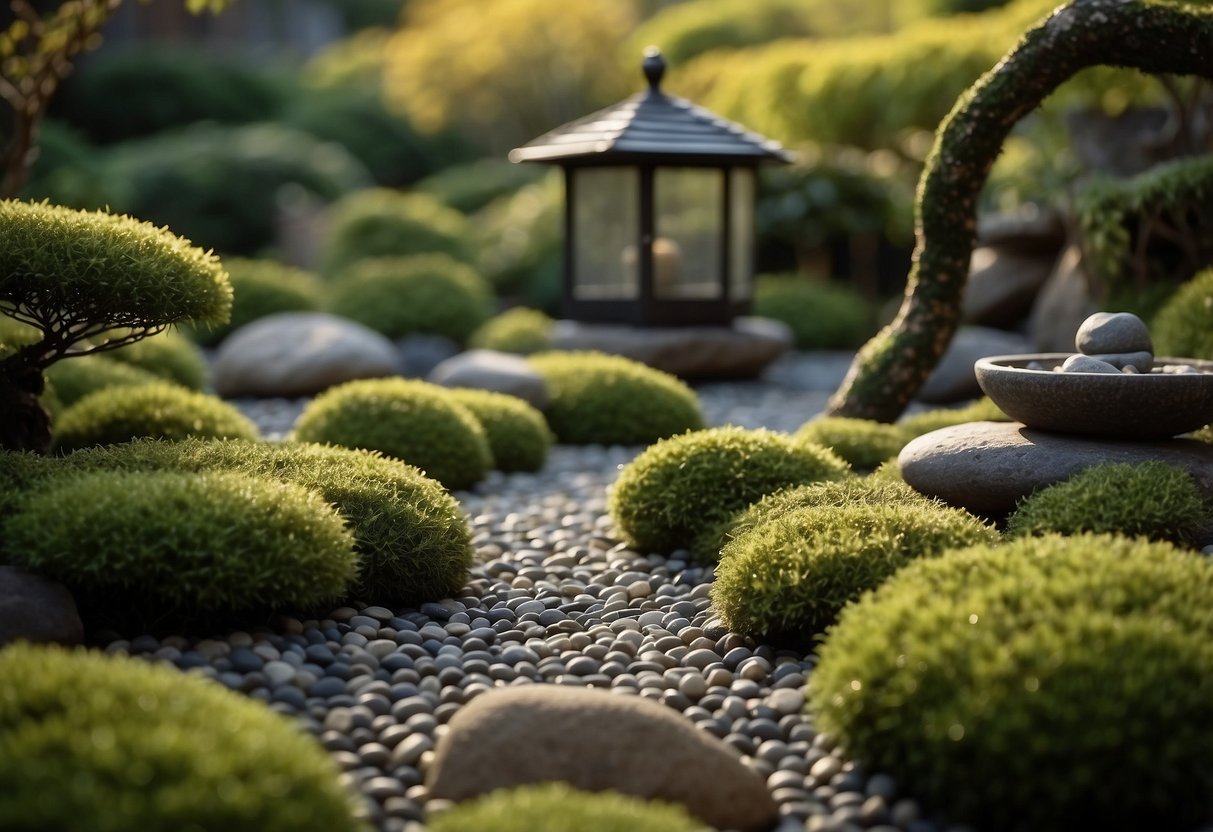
(89, 282)
(1153, 36)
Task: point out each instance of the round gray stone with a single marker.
(1109, 332)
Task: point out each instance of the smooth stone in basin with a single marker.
(1113, 332)
(1110, 405)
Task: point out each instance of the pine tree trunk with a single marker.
(1152, 37)
(24, 423)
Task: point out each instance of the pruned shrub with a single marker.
(861, 442)
(787, 577)
(518, 330)
(822, 316)
(413, 539)
(520, 243)
(667, 496)
(161, 411)
(1050, 683)
(169, 355)
(923, 422)
(473, 185)
(411, 420)
(610, 400)
(96, 743)
(1183, 327)
(425, 293)
(383, 223)
(1147, 499)
(555, 807)
(518, 435)
(260, 288)
(73, 380)
(157, 547)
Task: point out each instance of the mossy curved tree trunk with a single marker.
(1154, 37)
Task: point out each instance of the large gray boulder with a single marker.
(295, 354)
(36, 610)
(596, 741)
(1062, 305)
(1003, 284)
(500, 372)
(953, 379)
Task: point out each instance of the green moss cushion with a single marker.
(92, 743)
(981, 410)
(1149, 499)
(162, 411)
(1051, 683)
(411, 535)
(411, 420)
(519, 436)
(169, 355)
(556, 807)
(674, 490)
(519, 330)
(787, 578)
(167, 546)
(75, 378)
(861, 442)
(599, 399)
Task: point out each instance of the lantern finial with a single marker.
(654, 67)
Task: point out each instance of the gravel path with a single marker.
(555, 599)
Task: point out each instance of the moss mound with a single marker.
(169, 355)
(162, 411)
(788, 577)
(383, 223)
(981, 410)
(94, 743)
(518, 435)
(1183, 327)
(1051, 683)
(73, 380)
(411, 420)
(557, 807)
(1149, 499)
(399, 296)
(665, 497)
(412, 537)
(599, 399)
(261, 288)
(164, 546)
(861, 442)
(519, 330)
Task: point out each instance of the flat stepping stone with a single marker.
(986, 467)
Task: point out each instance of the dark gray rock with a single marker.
(1079, 363)
(423, 352)
(1113, 332)
(1141, 362)
(1003, 282)
(500, 372)
(1062, 304)
(986, 467)
(36, 610)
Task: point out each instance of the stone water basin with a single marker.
(1111, 405)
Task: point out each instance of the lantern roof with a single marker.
(652, 127)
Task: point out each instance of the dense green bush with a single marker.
(1051, 683)
(260, 288)
(169, 355)
(1148, 499)
(1183, 326)
(521, 243)
(599, 399)
(219, 186)
(69, 170)
(473, 185)
(162, 411)
(161, 88)
(518, 330)
(411, 420)
(675, 489)
(822, 315)
(861, 442)
(413, 538)
(382, 223)
(422, 293)
(519, 436)
(556, 807)
(787, 577)
(96, 743)
(73, 380)
(150, 548)
(981, 410)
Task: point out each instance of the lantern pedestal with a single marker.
(741, 350)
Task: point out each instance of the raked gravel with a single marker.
(554, 598)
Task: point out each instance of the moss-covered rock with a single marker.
(861, 442)
(1183, 326)
(599, 399)
(163, 411)
(413, 539)
(1148, 499)
(428, 293)
(261, 288)
(411, 420)
(557, 807)
(73, 380)
(518, 330)
(519, 437)
(159, 547)
(676, 489)
(95, 743)
(1050, 683)
(787, 577)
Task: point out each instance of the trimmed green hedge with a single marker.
(384, 223)
(519, 437)
(822, 316)
(1183, 327)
